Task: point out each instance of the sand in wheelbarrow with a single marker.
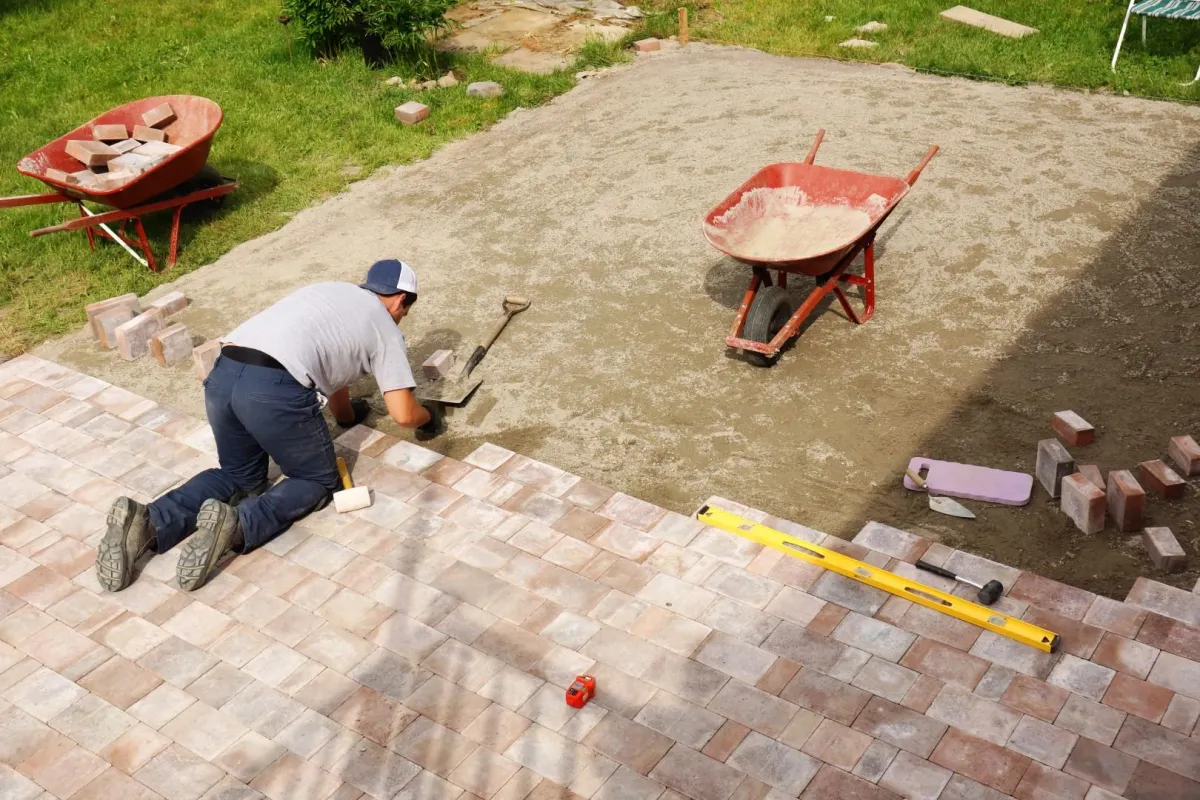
(780, 224)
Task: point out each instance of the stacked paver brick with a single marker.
(420, 648)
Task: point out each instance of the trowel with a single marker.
(455, 390)
(942, 505)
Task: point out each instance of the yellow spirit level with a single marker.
(927, 596)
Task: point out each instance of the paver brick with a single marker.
(1075, 637)
(1165, 482)
(804, 647)
(1040, 781)
(754, 708)
(375, 771)
(1161, 746)
(730, 735)
(973, 714)
(1053, 464)
(1164, 550)
(945, 663)
(885, 679)
(915, 778)
(735, 657)
(1014, 655)
(1042, 742)
(629, 743)
(850, 594)
(1091, 719)
(695, 775)
(1125, 655)
(1082, 677)
(175, 772)
(922, 694)
(1151, 782)
(836, 744)
(134, 748)
(826, 696)
(899, 726)
(883, 640)
(1181, 714)
(373, 715)
(773, 763)
(292, 777)
(1083, 502)
(1100, 765)
(546, 752)
(1185, 453)
(984, 762)
(1093, 474)
(1178, 604)
(1126, 500)
(1171, 635)
(1034, 697)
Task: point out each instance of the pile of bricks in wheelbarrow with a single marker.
(114, 155)
(121, 324)
(1087, 498)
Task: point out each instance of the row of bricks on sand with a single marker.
(419, 648)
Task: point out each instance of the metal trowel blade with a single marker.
(944, 505)
(451, 391)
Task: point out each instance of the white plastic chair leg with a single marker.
(1121, 36)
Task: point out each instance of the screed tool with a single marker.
(919, 593)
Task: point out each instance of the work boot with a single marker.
(129, 535)
(217, 531)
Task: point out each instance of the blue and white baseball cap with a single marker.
(391, 276)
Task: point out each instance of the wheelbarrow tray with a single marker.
(197, 120)
(875, 195)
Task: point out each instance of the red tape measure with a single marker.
(581, 690)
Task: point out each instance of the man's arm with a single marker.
(403, 407)
(339, 406)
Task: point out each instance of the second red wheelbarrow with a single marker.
(802, 219)
(177, 181)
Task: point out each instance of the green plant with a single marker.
(596, 53)
(382, 28)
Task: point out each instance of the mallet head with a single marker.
(352, 499)
(990, 592)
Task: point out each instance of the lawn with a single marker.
(1073, 47)
(295, 131)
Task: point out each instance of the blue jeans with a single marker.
(255, 412)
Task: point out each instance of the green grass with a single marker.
(1073, 47)
(295, 131)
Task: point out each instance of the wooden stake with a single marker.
(683, 27)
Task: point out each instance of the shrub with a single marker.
(382, 28)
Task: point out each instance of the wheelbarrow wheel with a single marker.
(769, 313)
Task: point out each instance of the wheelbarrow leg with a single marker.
(739, 322)
(866, 280)
(90, 234)
(175, 235)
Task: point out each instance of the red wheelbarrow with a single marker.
(179, 180)
(801, 219)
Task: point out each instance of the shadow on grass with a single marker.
(1121, 346)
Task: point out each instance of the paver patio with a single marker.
(419, 648)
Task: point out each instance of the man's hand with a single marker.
(361, 411)
(437, 422)
(347, 412)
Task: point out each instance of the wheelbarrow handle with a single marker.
(916, 173)
(33, 200)
(812, 151)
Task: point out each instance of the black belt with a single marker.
(246, 355)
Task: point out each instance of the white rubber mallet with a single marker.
(352, 497)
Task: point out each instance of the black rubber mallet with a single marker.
(988, 592)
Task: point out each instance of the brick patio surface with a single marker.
(420, 648)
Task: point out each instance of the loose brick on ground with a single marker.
(1161, 479)
(1164, 550)
(1126, 500)
(1053, 464)
(1185, 452)
(1073, 429)
(1083, 502)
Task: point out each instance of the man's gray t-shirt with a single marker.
(329, 335)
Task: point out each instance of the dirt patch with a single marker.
(1045, 260)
